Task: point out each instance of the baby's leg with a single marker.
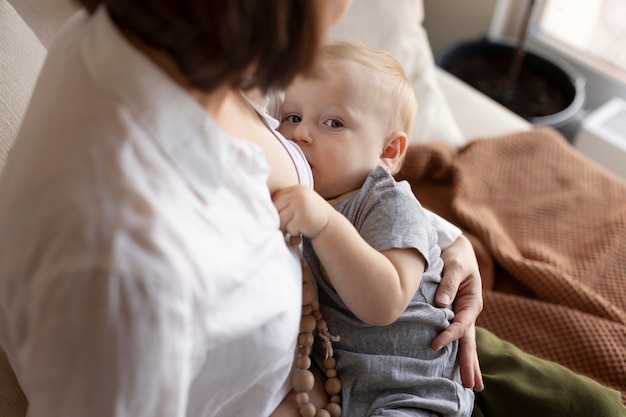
(409, 405)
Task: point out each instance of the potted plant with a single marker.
(541, 90)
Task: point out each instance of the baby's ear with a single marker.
(394, 150)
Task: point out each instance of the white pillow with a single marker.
(21, 57)
(396, 26)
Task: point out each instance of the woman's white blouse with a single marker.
(142, 270)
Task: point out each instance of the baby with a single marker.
(367, 240)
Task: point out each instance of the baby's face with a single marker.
(339, 124)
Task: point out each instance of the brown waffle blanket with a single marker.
(549, 229)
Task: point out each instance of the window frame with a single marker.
(603, 80)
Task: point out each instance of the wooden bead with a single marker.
(308, 294)
(304, 362)
(307, 410)
(302, 380)
(333, 386)
(306, 272)
(302, 397)
(307, 323)
(333, 409)
(295, 240)
(305, 339)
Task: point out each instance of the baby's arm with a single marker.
(376, 286)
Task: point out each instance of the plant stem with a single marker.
(518, 59)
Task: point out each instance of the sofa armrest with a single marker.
(21, 57)
(45, 17)
(476, 114)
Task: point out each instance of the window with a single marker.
(592, 31)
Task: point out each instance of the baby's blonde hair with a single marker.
(387, 71)
(388, 74)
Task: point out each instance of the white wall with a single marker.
(451, 20)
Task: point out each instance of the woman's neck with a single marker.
(212, 101)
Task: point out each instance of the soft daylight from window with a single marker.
(594, 30)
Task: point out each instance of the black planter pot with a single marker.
(546, 93)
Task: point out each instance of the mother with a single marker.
(142, 271)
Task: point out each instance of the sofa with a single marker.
(548, 225)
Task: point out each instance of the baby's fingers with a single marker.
(286, 214)
(279, 198)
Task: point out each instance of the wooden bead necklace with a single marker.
(302, 379)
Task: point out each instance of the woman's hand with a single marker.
(461, 284)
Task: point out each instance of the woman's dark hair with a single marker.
(246, 43)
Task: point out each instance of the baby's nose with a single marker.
(302, 135)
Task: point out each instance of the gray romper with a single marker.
(392, 370)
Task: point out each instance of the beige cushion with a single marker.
(45, 17)
(396, 26)
(21, 57)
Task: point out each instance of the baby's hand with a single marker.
(302, 211)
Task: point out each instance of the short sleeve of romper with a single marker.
(387, 214)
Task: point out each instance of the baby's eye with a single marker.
(334, 123)
(292, 118)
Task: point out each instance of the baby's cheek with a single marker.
(283, 131)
